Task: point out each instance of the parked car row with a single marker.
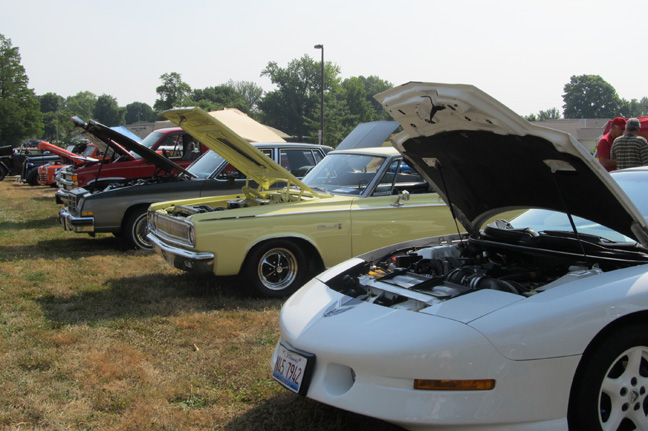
(13, 159)
(536, 322)
(125, 159)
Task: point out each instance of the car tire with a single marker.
(32, 177)
(3, 172)
(611, 390)
(136, 228)
(275, 269)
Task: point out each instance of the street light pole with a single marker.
(321, 131)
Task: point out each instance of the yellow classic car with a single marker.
(278, 235)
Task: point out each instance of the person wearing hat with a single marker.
(605, 144)
(630, 150)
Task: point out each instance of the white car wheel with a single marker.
(611, 389)
(137, 228)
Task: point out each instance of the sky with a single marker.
(520, 52)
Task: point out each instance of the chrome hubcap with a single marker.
(141, 229)
(277, 268)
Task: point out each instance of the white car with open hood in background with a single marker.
(537, 323)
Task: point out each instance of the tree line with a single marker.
(292, 107)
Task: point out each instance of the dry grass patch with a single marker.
(95, 336)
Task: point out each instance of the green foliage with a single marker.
(355, 96)
(250, 91)
(216, 98)
(634, 107)
(20, 115)
(293, 106)
(172, 91)
(81, 105)
(590, 96)
(51, 102)
(374, 85)
(107, 112)
(138, 112)
(551, 114)
(59, 129)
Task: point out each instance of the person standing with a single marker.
(605, 143)
(630, 150)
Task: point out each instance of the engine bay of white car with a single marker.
(516, 261)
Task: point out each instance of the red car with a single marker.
(86, 155)
(122, 161)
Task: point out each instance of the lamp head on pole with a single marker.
(320, 46)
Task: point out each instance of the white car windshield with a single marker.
(346, 174)
(633, 184)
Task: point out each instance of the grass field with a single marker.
(95, 336)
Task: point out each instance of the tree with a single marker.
(138, 112)
(107, 111)
(250, 91)
(216, 98)
(355, 95)
(634, 107)
(81, 105)
(295, 105)
(51, 102)
(551, 114)
(172, 90)
(20, 115)
(590, 96)
(373, 86)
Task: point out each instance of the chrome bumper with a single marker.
(180, 258)
(62, 196)
(74, 223)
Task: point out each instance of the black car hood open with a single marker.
(484, 159)
(110, 137)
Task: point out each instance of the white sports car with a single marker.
(540, 323)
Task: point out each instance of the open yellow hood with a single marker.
(232, 147)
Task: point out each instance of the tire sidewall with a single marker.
(32, 177)
(584, 400)
(250, 269)
(132, 226)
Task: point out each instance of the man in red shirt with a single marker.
(605, 144)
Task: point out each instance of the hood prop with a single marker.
(563, 201)
(439, 167)
(103, 160)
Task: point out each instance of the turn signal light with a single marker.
(454, 385)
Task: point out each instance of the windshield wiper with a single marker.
(320, 189)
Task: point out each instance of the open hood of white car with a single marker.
(229, 145)
(484, 159)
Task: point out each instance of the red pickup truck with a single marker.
(82, 154)
(119, 166)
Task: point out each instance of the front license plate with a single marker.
(292, 369)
